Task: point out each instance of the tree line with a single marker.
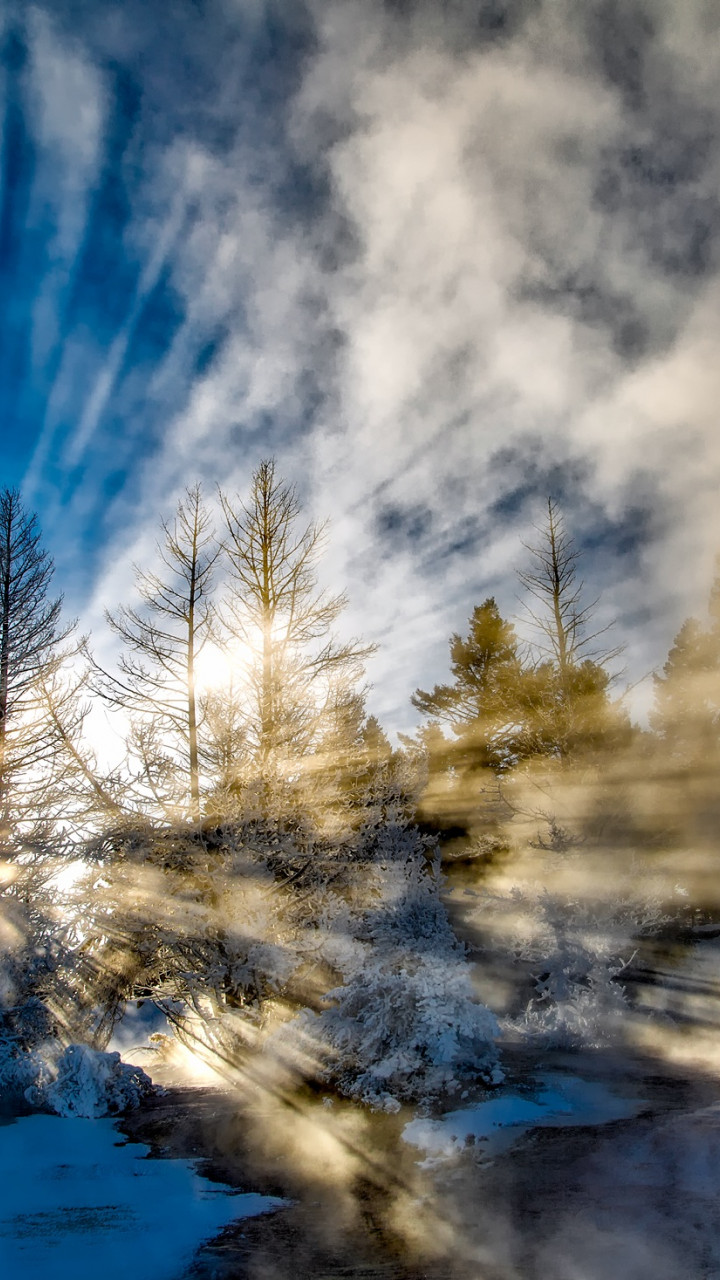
(290, 714)
(262, 865)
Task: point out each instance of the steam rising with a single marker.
(441, 269)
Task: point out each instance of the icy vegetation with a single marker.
(568, 948)
(44, 1064)
(333, 956)
(404, 1024)
(75, 1081)
(578, 953)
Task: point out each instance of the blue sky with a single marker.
(440, 260)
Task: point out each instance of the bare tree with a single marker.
(571, 677)
(156, 681)
(281, 622)
(560, 614)
(77, 789)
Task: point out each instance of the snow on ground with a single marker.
(499, 1121)
(78, 1202)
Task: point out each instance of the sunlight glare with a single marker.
(216, 667)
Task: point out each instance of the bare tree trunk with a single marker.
(267, 717)
(192, 707)
(556, 587)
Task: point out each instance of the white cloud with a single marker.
(470, 179)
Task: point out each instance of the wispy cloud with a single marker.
(439, 269)
(105, 382)
(66, 113)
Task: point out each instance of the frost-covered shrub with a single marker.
(404, 1024)
(90, 1084)
(27, 968)
(38, 1070)
(406, 1028)
(27, 1024)
(75, 1081)
(577, 948)
(341, 936)
(195, 919)
(577, 1000)
(23, 1028)
(20, 1071)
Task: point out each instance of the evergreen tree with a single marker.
(357, 777)
(481, 707)
(223, 749)
(686, 715)
(31, 652)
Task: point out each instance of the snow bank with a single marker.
(92, 1084)
(77, 1204)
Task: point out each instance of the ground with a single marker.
(590, 1164)
(637, 1198)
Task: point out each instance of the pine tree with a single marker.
(223, 748)
(686, 715)
(31, 652)
(354, 777)
(482, 705)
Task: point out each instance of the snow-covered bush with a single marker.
(74, 1081)
(576, 948)
(192, 919)
(578, 999)
(339, 936)
(90, 1083)
(19, 1071)
(37, 1017)
(407, 1028)
(404, 1025)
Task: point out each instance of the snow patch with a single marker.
(558, 1101)
(77, 1203)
